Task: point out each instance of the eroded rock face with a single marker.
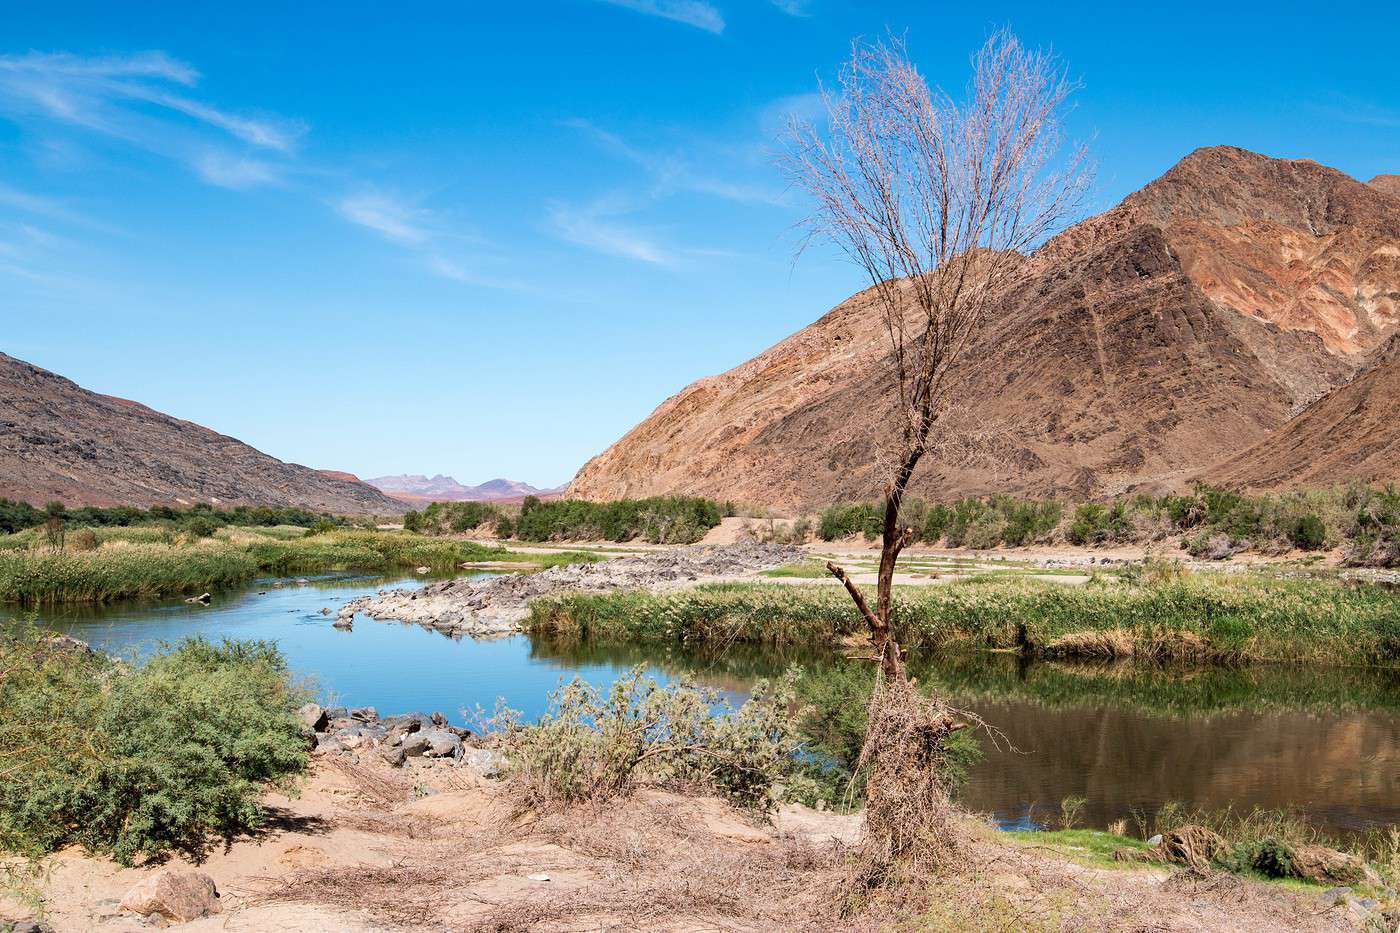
(1151, 341)
(1350, 434)
(174, 894)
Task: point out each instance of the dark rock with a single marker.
(365, 714)
(415, 744)
(394, 756)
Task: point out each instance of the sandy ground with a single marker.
(364, 847)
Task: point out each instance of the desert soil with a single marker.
(367, 847)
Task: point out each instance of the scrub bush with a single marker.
(591, 746)
(139, 760)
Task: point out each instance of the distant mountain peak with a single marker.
(415, 487)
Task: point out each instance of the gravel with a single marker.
(495, 607)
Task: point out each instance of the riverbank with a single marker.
(132, 562)
(496, 607)
(1195, 617)
(367, 847)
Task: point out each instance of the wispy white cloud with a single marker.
(695, 13)
(40, 206)
(437, 244)
(793, 7)
(386, 215)
(133, 99)
(670, 172)
(236, 172)
(595, 227)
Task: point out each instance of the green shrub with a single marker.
(844, 520)
(1308, 533)
(137, 761)
(659, 520)
(200, 526)
(591, 746)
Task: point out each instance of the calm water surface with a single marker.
(1326, 741)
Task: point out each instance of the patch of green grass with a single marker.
(132, 562)
(1199, 617)
(807, 570)
(1090, 847)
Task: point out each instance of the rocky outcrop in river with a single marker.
(494, 607)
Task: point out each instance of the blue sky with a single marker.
(486, 239)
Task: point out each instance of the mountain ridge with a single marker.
(415, 487)
(1131, 351)
(59, 441)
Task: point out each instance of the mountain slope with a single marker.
(419, 488)
(59, 441)
(1350, 434)
(1135, 348)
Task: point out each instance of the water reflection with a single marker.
(1123, 736)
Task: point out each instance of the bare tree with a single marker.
(937, 200)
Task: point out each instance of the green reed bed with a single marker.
(51, 576)
(132, 562)
(1196, 618)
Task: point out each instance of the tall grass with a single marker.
(138, 562)
(1195, 618)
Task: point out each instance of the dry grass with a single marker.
(911, 823)
(659, 861)
(1118, 644)
(628, 865)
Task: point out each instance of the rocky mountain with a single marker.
(1133, 350)
(58, 441)
(1352, 433)
(419, 488)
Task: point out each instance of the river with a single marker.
(1126, 738)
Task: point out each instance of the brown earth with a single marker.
(1134, 350)
(58, 441)
(364, 847)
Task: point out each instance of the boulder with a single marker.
(174, 894)
(483, 761)
(393, 755)
(415, 744)
(314, 717)
(365, 714)
(441, 743)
